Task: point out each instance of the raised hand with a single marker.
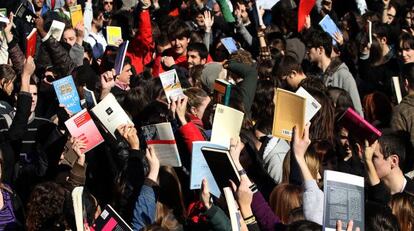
(208, 21)
(29, 67)
(339, 38)
(369, 150)
(301, 142)
(7, 29)
(108, 79)
(348, 227)
(154, 164)
(181, 109)
(129, 132)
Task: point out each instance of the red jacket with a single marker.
(190, 133)
(142, 47)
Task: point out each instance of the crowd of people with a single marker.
(281, 185)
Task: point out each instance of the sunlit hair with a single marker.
(284, 198)
(402, 206)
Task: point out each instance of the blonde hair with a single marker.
(284, 198)
(312, 161)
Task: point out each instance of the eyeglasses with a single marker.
(108, 3)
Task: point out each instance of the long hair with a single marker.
(324, 120)
(284, 198)
(377, 108)
(402, 206)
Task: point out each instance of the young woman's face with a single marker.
(8, 86)
(199, 111)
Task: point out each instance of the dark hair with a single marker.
(90, 204)
(312, 83)
(263, 106)
(200, 48)
(195, 75)
(406, 41)
(135, 100)
(377, 108)
(286, 66)
(324, 119)
(178, 30)
(7, 73)
(318, 38)
(265, 69)
(380, 217)
(394, 143)
(304, 225)
(382, 30)
(340, 98)
(408, 73)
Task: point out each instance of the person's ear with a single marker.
(193, 110)
(406, 85)
(293, 74)
(383, 40)
(203, 61)
(395, 160)
(321, 50)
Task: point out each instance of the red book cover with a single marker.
(305, 7)
(31, 40)
(358, 127)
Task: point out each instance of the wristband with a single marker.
(250, 220)
(254, 188)
(242, 172)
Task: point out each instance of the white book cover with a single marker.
(397, 88)
(171, 85)
(343, 200)
(200, 169)
(227, 124)
(162, 139)
(56, 30)
(111, 114)
(233, 209)
(312, 105)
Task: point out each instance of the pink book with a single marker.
(82, 126)
(358, 127)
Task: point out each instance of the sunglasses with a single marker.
(108, 3)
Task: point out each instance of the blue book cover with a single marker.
(67, 94)
(229, 44)
(329, 26)
(120, 57)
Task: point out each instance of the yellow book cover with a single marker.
(289, 112)
(113, 34)
(76, 15)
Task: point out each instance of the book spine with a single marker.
(227, 95)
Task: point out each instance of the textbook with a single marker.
(113, 34)
(162, 139)
(109, 220)
(226, 125)
(397, 88)
(56, 30)
(76, 15)
(329, 26)
(360, 128)
(200, 169)
(222, 91)
(67, 94)
(82, 126)
(312, 105)
(290, 110)
(26, 14)
(120, 57)
(89, 97)
(343, 200)
(31, 40)
(111, 114)
(234, 212)
(222, 166)
(229, 44)
(171, 85)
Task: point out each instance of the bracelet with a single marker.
(254, 188)
(250, 220)
(242, 172)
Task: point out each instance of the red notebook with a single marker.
(31, 40)
(358, 127)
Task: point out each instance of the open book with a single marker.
(81, 125)
(222, 166)
(171, 85)
(226, 125)
(109, 220)
(289, 112)
(111, 114)
(343, 200)
(312, 105)
(67, 94)
(200, 169)
(229, 44)
(24, 13)
(162, 139)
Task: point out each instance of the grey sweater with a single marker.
(313, 202)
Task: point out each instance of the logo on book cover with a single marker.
(109, 111)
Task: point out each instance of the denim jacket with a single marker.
(145, 206)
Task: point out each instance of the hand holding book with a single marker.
(79, 145)
(7, 29)
(154, 164)
(179, 108)
(129, 132)
(349, 227)
(205, 196)
(236, 146)
(244, 196)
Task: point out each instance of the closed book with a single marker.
(290, 110)
(82, 126)
(31, 40)
(67, 94)
(358, 127)
(26, 14)
(171, 85)
(113, 35)
(56, 30)
(329, 26)
(222, 91)
(120, 57)
(76, 15)
(110, 114)
(227, 124)
(89, 97)
(110, 220)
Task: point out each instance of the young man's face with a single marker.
(382, 165)
(125, 75)
(391, 12)
(33, 91)
(193, 58)
(38, 3)
(313, 54)
(179, 45)
(243, 13)
(69, 3)
(69, 36)
(108, 5)
(200, 20)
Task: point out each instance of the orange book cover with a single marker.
(31, 40)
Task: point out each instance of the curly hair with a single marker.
(45, 207)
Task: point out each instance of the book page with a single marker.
(267, 4)
(312, 105)
(226, 125)
(200, 169)
(329, 26)
(162, 139)
(171, 85)
(344, 200)
(289, 112)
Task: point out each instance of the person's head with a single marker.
(304, 225)
(45, 207)
(241, 6)
(407, 48)
(377, 108)
(194, 74)
(381, 33)
(324, 119)
(284, 198)
(179, 35)
(134, 97)
(108, 5)
(197, 54)
(391, 13)
(126, 73)
(198, 100)
(263, 96)
(389, 154)
(7, 77)
(402, 206)
(69, 3)
(98, 18)
(296, 215)
(69, 36)
(380, 217)
(340, 98)
(38, 4)
(313, 83)
(318, 44)
(290, 72)
(408, 75)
